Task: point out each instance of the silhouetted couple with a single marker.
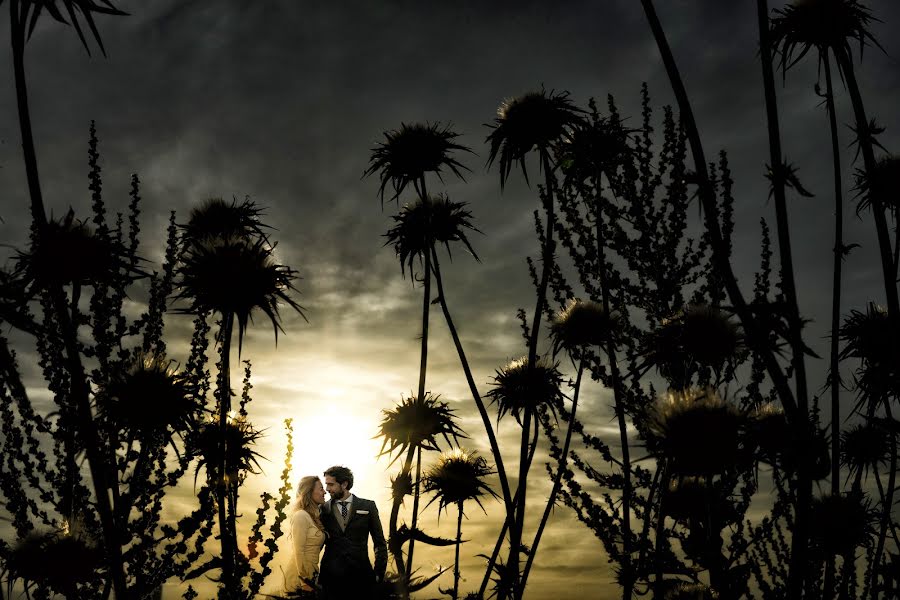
(343, 525)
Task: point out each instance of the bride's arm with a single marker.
(299, 529)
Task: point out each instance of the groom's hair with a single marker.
(341, 475)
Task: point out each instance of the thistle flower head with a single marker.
(426, 222)
(881, 188)
(592, 148)
(149, 397)
(418, 423)
(457, 477)
(54, 559)
(698, 431)
(519, 389)
(411, 151)
(67, 251)
(582, 323)
(697, 336)
(78, 11)
(208, 442)
(536, 120)
(841, 524)
(216, 218)
(236, 276)
(864, 446)
(821, 25)
(868, 337)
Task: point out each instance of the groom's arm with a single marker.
(377, 533)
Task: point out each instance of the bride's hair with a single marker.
(305, 500)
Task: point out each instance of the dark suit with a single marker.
(345, 571)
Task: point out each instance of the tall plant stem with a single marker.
(836, 284)
(799, 537)
(660, 533)
(508, 502)
(493, 558)
(479, 402)
(18, 15)
(97, 464)
(557, 479)
(423, 363)
(395, 512)
(415, 513)
(228, 545)
(835, 380)
(80, 389)
(516, 531)
(757, 338)
(887, 506)
(627, 570)
(881, 228)
(456, 561)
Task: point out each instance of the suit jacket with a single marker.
(345, 565)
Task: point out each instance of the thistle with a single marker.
(67, 252)
(698, 336)
(236, 276)
(215, 218)
(864, 446)
(582, 323)
(54, 560)
(592, 148)
(867, 337)
(804, 25)
(411, 151)
(882, 188)
(418, 423)
(519, 390)
(206, 444)
(698, 431)
(150, 398)
(533, 121)
(458, 477)
(841, 524)
(424, 223)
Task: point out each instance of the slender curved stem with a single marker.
(557, 479)
(887, 506)
(835, 381)
(395, 512)
(18, 28)
(228, 545)
(456, 561)
(415, 512)
(757, 338)
(799, 537)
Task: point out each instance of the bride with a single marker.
(307, 537)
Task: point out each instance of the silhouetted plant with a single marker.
(697, 431)
(405, 157)
(228, 268)
(139, 409)
(411, 151)
(458, 477)
(533, 121)
(414, 425)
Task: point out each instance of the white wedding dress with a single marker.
(306, 543)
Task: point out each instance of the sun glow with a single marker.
(337, 436)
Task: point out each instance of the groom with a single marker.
(349, 520)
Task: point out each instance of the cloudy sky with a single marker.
(282, 102)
